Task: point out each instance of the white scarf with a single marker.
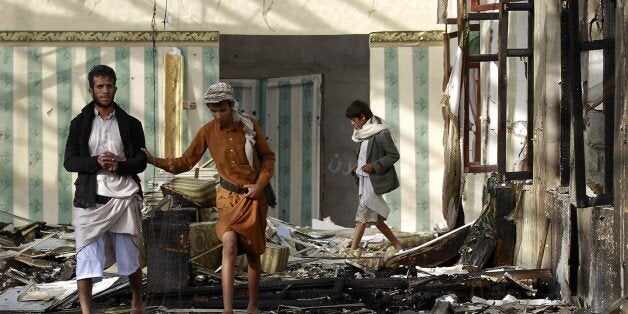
(249, 132)
(373, 126)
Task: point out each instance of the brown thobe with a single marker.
(246, 217)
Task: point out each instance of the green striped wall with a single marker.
(64, 116)
(307, 149)
(6, 130)
(294, 134)
(35, 129)
(391, 115)
(406, 87)
(420, 99)
(44, 87)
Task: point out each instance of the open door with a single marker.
(288, 109)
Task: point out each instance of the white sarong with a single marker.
(119, 215)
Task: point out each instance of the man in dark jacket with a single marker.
(103, 147)
(375, 171)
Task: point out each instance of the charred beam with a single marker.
(502, 99)
(518, 175)
(597, 44)
(530, 91)
(483, 57)
(483, 16)
(519, 6)
(505, 229)
(567, 58)
(608, 75)
(519, 53)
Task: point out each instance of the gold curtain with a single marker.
(173, 94)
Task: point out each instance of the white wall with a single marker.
(245, 17)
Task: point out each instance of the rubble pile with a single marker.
(306, 269)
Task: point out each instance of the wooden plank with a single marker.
(534, 274)
(433, 252)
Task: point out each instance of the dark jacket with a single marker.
(78, 158)
(382, 154)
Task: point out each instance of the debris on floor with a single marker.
(305, 268)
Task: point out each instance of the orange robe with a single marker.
(246, 217)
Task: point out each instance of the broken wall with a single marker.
(585, 243)
(599, 250)
(517, 81)
(560, 238)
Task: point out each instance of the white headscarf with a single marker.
(221, 91)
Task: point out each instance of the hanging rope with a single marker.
(153, 25)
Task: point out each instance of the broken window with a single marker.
(587, 103)
(496, 102)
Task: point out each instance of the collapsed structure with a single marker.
(534, 111)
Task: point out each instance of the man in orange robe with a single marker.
(245, 163)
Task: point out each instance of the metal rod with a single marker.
(476, 167)
(519, 6)
(608, 75)
(484, 16)
(566, 58)
(483, 57)
(463, 110)
(576, 104)
(502, 86)
(518, 175)
(597, 44)
(600, 200)
(477, 7)
(16, 216)
(519, 52)
(37, 242)
(530, 76)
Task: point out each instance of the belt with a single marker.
(232, 187)
(102, 199)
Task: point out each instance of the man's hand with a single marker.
(149, 158)
(108, 161)
(168, 165)
(368, 168)
(254, 190)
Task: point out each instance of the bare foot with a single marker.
(252, 310)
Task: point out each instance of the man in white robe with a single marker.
(103, 147)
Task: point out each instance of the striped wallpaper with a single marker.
(42, 87)
(406, 88)
(294, 134)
